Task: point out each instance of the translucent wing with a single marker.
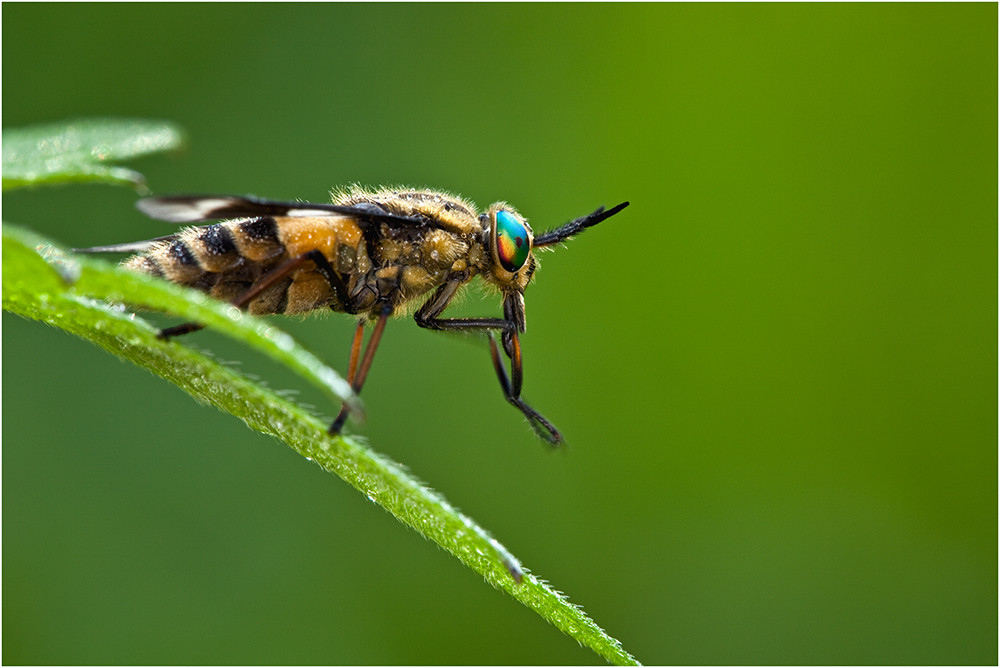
(202, 208)
(133, 247)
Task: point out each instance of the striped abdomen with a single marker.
(226, 259)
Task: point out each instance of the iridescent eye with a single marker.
(512, 241)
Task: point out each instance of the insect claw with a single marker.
(542, 427)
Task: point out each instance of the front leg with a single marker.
(428, 316)
(512, 392)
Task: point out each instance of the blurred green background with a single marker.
(776, 370)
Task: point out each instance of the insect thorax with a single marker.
(451, 213)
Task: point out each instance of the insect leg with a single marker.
(352, 364)
(512, 391)
(178, 330)
(352, 369)
(314, 256)
(427, 316)
(356, 374)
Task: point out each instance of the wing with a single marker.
(133, 247)
(202, 208)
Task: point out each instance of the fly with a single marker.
(371, 253)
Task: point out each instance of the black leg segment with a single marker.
(511, 387)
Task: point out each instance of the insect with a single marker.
(371, 253)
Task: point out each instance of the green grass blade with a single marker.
(41, 282)
(82, 151)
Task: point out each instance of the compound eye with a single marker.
(512, 240)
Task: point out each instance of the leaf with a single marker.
(82, 151)
(43, 283)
